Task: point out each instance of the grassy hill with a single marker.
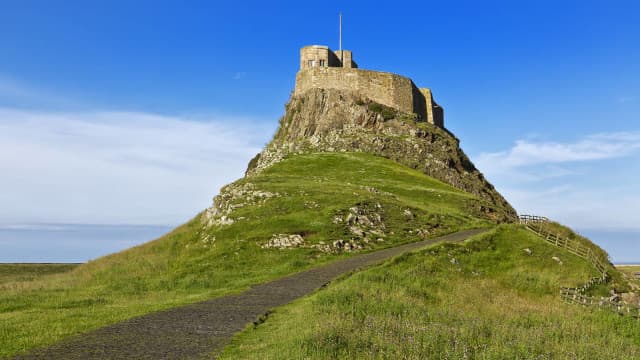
(365, 201)
(486, 299)
(27, 272)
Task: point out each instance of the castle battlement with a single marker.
(320, 67)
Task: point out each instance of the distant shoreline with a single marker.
(626, 264)
(41, 263)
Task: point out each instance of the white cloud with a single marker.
(118, 167)
(14, 91)
(569, 182)
(580, 205)
(527, 153)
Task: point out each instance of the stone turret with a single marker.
(321, 56)
(322, 68)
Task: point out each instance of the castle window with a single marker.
(322, 63)
(312, 63)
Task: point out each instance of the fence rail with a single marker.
(525, 219)
(536, 224)
(571, 296)
(578, 295)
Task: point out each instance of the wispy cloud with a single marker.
(239, 75)
(118, 167)
(13, 91)
(594, 147)
(569, 181)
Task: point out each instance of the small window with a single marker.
(310, 63)
(321, 63)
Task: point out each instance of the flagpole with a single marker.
(341, 56)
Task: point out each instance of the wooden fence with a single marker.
(578, 295)
(572, 296)
(537, 225)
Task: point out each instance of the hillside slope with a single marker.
(301, 212)
(495, 297)
(324, 120)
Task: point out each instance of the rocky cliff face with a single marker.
(321, 120)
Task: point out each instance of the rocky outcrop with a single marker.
(322, 120)
(231, 197)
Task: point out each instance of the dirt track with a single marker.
(201, 329)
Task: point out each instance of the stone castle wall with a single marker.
(385, 88)
(435, 113)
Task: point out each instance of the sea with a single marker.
(71, 243)
(74, 243)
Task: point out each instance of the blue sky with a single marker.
(136, 112)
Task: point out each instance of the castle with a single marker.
(320, 67)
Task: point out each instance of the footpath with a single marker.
(202, 329)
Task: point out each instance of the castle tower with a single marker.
(321, 56)
(321, 67)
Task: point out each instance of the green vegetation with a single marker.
(29, 272)
(630, 272)
(486, 299)
(563, 231)
(629, 269)
(616, 282)
(386, 111)
(194, 262)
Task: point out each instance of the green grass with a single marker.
(629, 269)
(565, 232)
(29, 272)
(184, 267)
(630, 272)
(617, 281)
(494, 301)
(386, 111)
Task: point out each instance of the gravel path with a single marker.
(203, 328)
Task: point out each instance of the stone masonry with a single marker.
(322, 68)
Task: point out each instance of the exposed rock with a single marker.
(342, 245)
(363, 222)
(311, 205)
(208, 239)
(231, 197)
(283, 241)
(424, 233)
(614, 298)
(630, 298)
(322, 120)
(357, 231)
